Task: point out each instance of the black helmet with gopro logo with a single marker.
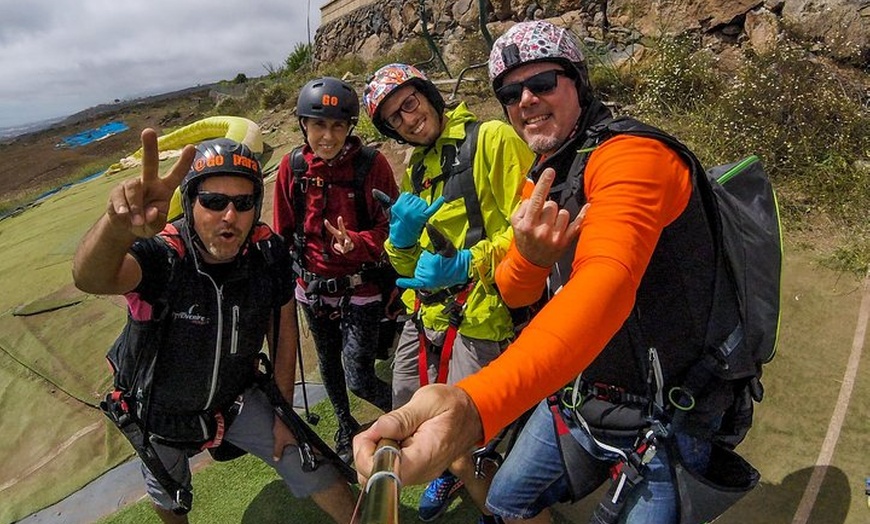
(328, 97)
(221, 157)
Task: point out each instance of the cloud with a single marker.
(58, 58)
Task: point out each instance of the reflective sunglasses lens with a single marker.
(243, 202)
(219, 201)
(539, 84)
(543, 83)
(214, 201)
(509, 94)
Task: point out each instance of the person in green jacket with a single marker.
(463, 181)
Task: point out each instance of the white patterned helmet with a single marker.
(537, 41)
(386, 81)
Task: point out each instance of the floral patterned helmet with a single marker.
(385, 81)
(536, 41)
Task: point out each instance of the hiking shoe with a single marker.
(437, 496)
(344, 445)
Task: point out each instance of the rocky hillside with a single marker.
(837, 29)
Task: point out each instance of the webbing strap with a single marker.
(117, 410)
(455, 310)
(569, 448)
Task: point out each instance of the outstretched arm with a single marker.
(136, 208)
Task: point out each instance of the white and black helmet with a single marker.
(539, 41)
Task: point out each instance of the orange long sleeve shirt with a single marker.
(635, 187)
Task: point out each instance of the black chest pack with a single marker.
(741, 335)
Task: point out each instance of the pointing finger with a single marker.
(133, 197)
(329, 227)
(341, 227)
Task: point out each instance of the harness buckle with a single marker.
(331, 285)
(355, 280)
(608, 392)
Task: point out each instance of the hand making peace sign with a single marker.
(140, 205)
(542, 231)
(343, 244)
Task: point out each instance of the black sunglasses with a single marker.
(539, 84)
(220, 201)
(409, 105)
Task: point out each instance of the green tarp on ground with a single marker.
(53, 340)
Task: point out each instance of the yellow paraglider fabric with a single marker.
(233, 127)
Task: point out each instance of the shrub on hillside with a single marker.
(352, 64)
(274, 96)
(367, 131)
(300, 58)
(414, 51)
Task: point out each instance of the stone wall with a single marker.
(335, 9)
(836, 28)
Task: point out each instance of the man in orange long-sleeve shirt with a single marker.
(629, 298)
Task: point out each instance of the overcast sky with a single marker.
(58, 57)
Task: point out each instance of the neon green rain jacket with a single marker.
(501, 162)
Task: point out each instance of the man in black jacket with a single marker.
(201, 298)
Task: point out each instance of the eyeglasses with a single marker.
(409, 105)
(220, 201)
(539, 84)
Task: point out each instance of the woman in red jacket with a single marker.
(324, 203)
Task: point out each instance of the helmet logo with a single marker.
(329, 100)
(249, 163)
(213, 161)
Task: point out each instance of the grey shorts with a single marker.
(252, 432)
(469, 356)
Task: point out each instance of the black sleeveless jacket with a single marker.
(210, 334)
(672, 303)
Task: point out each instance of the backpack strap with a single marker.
(457, 172)
(118, 411)
(362, 165)
(129, 410)
(299, 168)
(476, 231)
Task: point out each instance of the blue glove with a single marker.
(436, 271)
(407, 218)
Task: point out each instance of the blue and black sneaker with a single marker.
(436, 499)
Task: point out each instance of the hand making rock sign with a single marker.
(542, 231)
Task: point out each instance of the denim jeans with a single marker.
(533, 477)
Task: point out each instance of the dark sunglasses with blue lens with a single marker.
(220, 201)
(539, 84)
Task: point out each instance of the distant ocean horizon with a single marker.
(32, 127)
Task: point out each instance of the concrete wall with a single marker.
(334, 9)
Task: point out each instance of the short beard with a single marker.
(544, 144)
(218, 254)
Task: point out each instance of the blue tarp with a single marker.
(92, 135)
